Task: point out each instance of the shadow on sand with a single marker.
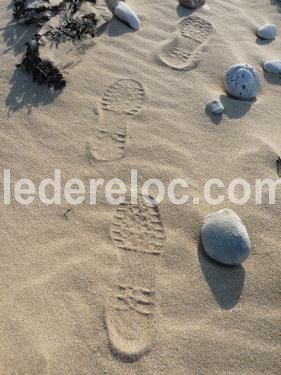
(276, 4)
(236, 108)
(117, 28)
(185, 12)
(272, 79)
(263, 42)
(25, 93)
(226, 283)
(233, 108)
(215, 118)
(15, 36)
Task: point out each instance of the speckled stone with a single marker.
(192, 4)
(127, 15)
(242, 81)
(273, 66)
(267, 32)
(215, 107)
(225, 238)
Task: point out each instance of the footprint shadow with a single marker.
(236, 108)
(226, 283)
(26, 93)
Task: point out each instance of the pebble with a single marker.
(127, 15)
(267, 32)
(215, 107)
(242, 81)
(225, 238)
(273, 66)
(192, 4)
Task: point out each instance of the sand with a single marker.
(62, 275)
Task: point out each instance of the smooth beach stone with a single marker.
(192, 4)
(267, 32)
(242, 81)
(215, 107)
(273, 66)
(127, 15)
(225, 238)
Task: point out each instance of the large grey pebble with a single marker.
(242, 81)
(225, 238)
(267, 32)
(215, 107)
(273, 66)
(127, 15)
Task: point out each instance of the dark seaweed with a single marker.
(42, 70)
(72, 27)
(36, 14)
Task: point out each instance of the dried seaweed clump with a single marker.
(35, 13)
(42, 70)
(74, 28)
(71, 27)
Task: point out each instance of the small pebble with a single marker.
(127, 15)
(273, 66)
(225, 238)
(267, 32)
(192, 4)
(242, 81)
(215, 107)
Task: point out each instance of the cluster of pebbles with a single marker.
(223, 235)
(242, 80)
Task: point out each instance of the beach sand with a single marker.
(60, 273)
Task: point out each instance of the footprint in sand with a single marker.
(124, 98)
(183, 52)
(138, 233)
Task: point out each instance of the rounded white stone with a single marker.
(215, 107)
(273, 66)
(242, 81)
(225, 238)
(127, 15)
(267, 32)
